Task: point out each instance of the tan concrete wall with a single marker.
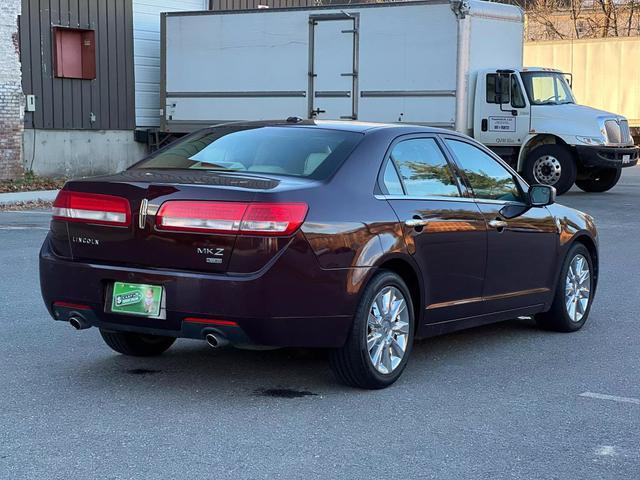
(80, 153)
(606, 72)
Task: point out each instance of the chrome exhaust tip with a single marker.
(78, 323)
(215, 340)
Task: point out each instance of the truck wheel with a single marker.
(136, 344)
(379, 344)
(551, 165)
(600, 180)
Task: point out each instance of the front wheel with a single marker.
(380, 341)
(551, 165)
(136, 344)
(600, 180)
(574, 293)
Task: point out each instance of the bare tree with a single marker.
(558, 19)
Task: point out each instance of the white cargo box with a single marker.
(391, 62)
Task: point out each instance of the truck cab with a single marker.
(530, 117)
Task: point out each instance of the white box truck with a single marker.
(452, 64)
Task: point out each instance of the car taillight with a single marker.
(91, 208)
(273, 218)
(223, 217)
(231, 217)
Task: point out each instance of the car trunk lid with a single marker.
(144, 241)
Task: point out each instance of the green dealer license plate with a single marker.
(136, 299)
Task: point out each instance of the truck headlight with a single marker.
(590, 140)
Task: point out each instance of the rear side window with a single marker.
(300, 151)
(392, 180)
(424, 168)
(486, 176)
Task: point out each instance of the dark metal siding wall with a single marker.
(252, 4)
(64, 103)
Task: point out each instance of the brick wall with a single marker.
(11, 97)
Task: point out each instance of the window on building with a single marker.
(74, 53)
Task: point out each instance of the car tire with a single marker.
(560, 317)
(136, 344)
(600, 180)
(356, 364)
(551, 165)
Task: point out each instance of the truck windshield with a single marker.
(299, 151)
(547, 88)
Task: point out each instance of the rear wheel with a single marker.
(380, 341)
(551, 165)
(136, 344)
(600, 180)
(574, 293)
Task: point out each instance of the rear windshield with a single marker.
(300, 151)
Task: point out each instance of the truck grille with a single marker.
(626, 133)
(617, 131)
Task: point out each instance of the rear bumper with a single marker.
(292, 303)
(612, 157)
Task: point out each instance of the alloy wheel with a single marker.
(577, 288)
(547, 170)
(387, 329)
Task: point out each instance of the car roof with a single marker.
(344, 125)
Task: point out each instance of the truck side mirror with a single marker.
(504, 97)
(569, 78)
(499, 91)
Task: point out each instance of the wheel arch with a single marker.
(409, 273)
(585, 239)
(590, 245)
(535, 140)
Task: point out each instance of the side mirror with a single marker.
(541, 195)
(499, 94)
(502, 90)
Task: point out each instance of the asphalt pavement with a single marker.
(506, 401)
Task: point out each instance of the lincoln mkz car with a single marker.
(341, 235)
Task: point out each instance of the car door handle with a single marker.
(416, 222)
(498, 224)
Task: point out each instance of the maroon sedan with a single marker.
(349, 236)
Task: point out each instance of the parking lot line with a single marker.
(29, 212)
(614, 398)
(17, 227)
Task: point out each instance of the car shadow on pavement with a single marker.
(192, 368)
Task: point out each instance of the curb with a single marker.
(24, 197)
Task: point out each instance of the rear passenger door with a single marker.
(444, 231)
(522, 240)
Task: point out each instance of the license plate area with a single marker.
(626, 159)
(138, 299)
